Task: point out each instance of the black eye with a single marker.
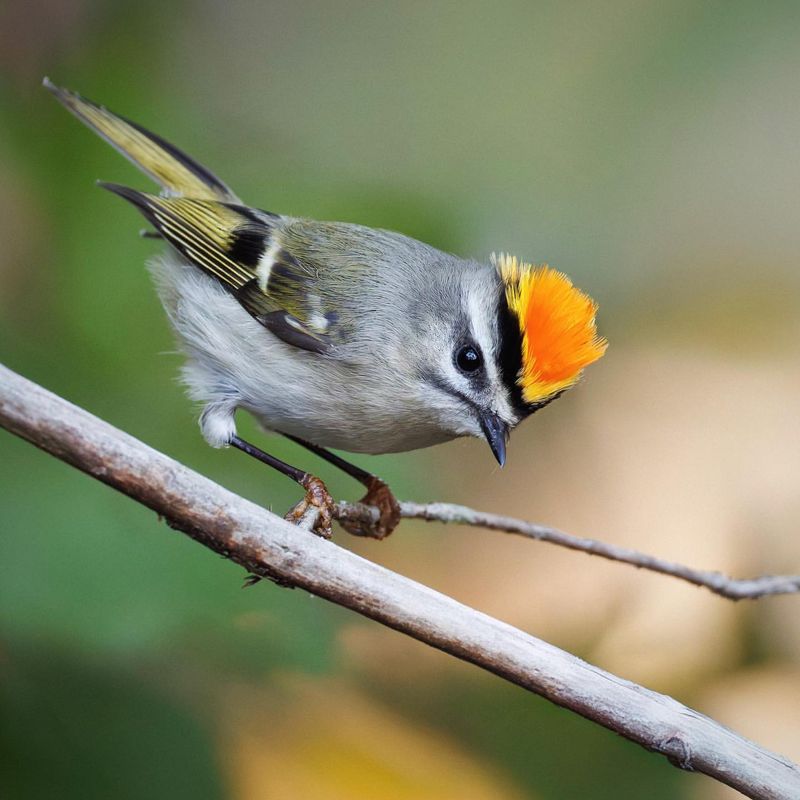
(469, 358)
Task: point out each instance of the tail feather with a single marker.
(177, 173)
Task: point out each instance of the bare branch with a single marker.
(268, 546)
(731, 588)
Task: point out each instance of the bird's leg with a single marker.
(378, 495)
(317, 497)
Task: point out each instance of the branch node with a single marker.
(678, 751)
(267, 546)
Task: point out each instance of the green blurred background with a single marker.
(648, 149)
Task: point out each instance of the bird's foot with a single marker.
(315, 510)
(380, 497)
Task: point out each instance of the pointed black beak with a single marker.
(496, 433)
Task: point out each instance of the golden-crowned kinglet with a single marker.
(337, 335)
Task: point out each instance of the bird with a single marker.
(342, 336)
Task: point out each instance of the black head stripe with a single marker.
(533, 407)
(510, 360)
(509, 355)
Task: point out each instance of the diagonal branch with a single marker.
(731, 588)
(267, 546)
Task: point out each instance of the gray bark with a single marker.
(268, 546)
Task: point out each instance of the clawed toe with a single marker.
(315, 510)
(380, 496)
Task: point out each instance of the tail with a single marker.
(177, 173)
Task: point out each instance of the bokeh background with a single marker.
(650, 149)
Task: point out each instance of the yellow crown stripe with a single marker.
(557, 323)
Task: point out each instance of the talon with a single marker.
(317, 499)
(379, 496)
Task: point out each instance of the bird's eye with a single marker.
(469, 358)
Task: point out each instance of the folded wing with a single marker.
(205, 221)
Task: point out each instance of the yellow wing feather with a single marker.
(177, 173)
(203, 230)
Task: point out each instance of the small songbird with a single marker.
(337, 335)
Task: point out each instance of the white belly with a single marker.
(233, 362)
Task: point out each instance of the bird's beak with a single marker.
(496, 433)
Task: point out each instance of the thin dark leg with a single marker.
(378, 495)
(288, 470)
(361, 475)
(317, 495)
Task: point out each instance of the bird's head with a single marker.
(520, 336)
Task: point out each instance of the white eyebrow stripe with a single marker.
(483, 331)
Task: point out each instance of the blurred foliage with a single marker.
(73, 727)
(648, 149)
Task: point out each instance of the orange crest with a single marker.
(557, 322)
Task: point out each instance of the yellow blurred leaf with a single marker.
(322, 740)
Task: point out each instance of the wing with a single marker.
(204, 220)
(241, 248)
(177, 173)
